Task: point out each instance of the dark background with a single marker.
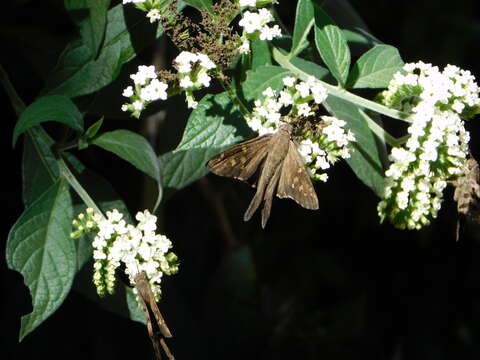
(330, 284)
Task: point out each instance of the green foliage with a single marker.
(79, 71)
(376, 67)
(131, 147)
(304, 20)
(211, 127)
(40, 248)
(49, 108)
(333, 50)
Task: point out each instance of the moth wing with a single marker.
(295, 182)
(242, 160)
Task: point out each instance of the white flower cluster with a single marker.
(438, 143)
(451, 89)
(133, 1)
(147, 89)
(255, 26)
(298, 95)
(193, 73)
(139, 248)
(318, 150)
(332, 145)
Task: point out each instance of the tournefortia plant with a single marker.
(270, 77)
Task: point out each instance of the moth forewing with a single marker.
(295, 182)
(242, 160)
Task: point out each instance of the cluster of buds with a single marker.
(438, 143)
(193, 73)
(320, 148)
(138, 248)
(147, 88)
(255, 24)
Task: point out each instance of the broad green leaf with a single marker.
(200, 4)
(333, 48)
(261, 78)
(304, 20)
(39, 166)
(57, 108)
(366, 159)
(214, 125)
(375, 68)
(92, 28)
(40, 248)
(260, 54)
(133, 148)
(77, 73)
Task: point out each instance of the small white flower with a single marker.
(186, 82)
(289, 81)
(154, 15)
(204, 79)
(205, 61)
(128, 91)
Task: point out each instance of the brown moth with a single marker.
(155, 322)
(282, 170)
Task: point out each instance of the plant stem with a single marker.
(284, 61)
(72, 180)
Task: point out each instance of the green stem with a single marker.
(72, 180)
(284, 61)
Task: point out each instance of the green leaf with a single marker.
(332, 47)
(133, 148)
(78, 73)
(200, 4)
(260, 54)
(214, 125)
(366, 159)
(376, 67)
(57, 108)
(39, 166)
(40, 248)
(91, 132)
(92, 28)
(263, 77)
(304, 20)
